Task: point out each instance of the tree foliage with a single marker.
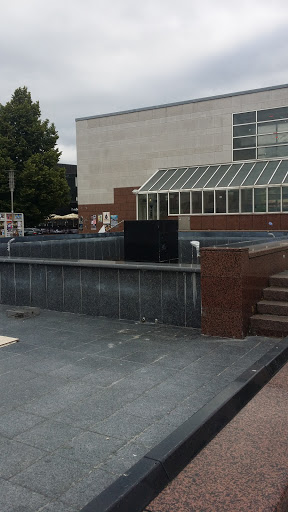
(28, 145)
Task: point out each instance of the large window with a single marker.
(260, 134)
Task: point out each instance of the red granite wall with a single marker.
(232, 281)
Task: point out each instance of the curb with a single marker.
(148, 477)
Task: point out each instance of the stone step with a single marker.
(272, 307)
(269, 325)
(275, 293)
(280, 280)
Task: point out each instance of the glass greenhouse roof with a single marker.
(245, 174)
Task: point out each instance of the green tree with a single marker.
(28, 145)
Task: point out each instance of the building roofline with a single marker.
(220, 96)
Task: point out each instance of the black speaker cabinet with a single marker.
(151, 240)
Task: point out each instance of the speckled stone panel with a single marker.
(55, 287)
(22, 280)
(173, 298)
(7, 283)
(129, 294)
(193, 299)
(150, 295)
(109, 293)
(38, 286)
(90, 291)
(245, 467)
(72, 295)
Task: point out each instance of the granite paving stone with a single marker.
(15, 422)
(85, 490)
(52, 475)
(90, 448)
(15, 456)
(16, 498)
(49, 435)
(125, 457)
(83, 398)
(122, 425)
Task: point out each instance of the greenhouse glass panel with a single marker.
(152, 206)
(142, 207)
(206, 177)
(254, 174)
(195, 177)
(174, 203)
(259, 200)
(187, 174)
(241, 175)
(224, 182)
(217, 176)
(172, 180)
(220, 198)
(246, 200)
(267, 173)
(197, 201)
(163, 179)
(184, 202)
(284, 199)
(274, 199)
(208, 201)
(280, 174)
(233, 201)
(153, 180)
(163, 206)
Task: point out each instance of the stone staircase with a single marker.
(272, 311)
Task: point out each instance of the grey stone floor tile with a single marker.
(52, 475)
(148, 407)
(67, 396)
(49, 435)
(84, 491)
(14, 376)
(122, 425)
(14, 498)
(58, 506)
(90, 448)
(15, 422)
(14, 457)
(120, 462)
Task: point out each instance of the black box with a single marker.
(151, 240)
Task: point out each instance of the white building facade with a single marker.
(218, 162)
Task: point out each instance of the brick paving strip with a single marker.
(245, 467)
(85, 398)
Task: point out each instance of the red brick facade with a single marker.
(125, 207)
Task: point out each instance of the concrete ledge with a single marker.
(151, 474)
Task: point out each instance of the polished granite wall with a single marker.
(152, 293)
(232, 282)
(111, 246)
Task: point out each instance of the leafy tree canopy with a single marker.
(28, 145)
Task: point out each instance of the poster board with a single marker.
(11, 224)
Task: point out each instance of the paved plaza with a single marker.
(83, 398)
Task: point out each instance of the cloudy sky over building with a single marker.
(89, 57)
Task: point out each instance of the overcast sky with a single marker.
(86, 57)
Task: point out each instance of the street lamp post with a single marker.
(11, 176)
